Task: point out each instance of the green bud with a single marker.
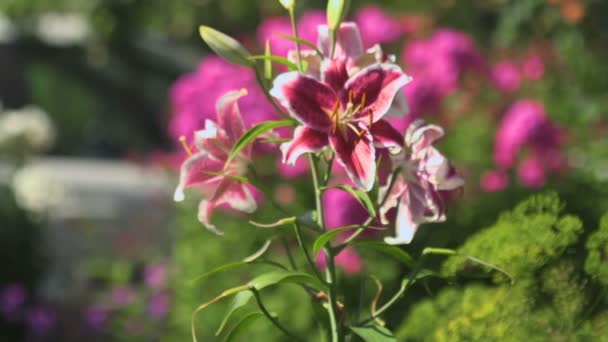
(225, 46)
(267, 62)
(288, 4)
(336, 10)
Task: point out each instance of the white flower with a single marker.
(35, 190)
(30, 125)
(63, 29)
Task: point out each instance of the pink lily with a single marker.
(419, 188)
(349, 47)
(342, 112)
(205, 167)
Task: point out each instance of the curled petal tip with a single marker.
(178, 196)
(396, 241)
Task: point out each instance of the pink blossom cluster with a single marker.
(527, 133)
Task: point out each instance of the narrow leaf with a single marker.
(225, 46)
(360, 195)
(282, 277)
(394, 251)
(374, 333)
(240, 300)
(326, 237)
(242, 326)
(276, 59)
(253, 257)
(253, 133)
(281, 222)
(221, 268)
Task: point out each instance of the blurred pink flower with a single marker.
(299, 169)
(531, 172)
(96, 316)
(376, 26)
(492, 181)
(505, 76)
(122, 296)
(342, 209)
(193, 96)
(418, 190)
(525, 125)
(155, 276)
(40, 320)
(158, 305)
(12, 299)
(533, 67)
(348, 259)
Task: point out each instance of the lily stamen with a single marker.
(184, 143)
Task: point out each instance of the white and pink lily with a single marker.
(344, 112)
(205, 168)
(418, 189)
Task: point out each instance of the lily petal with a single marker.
(357, 156)
(304, 140)
(194, 171)
(239, 198)
(205, 209)
(334, 74)
(229, 117)
(211, 139)
(420, 135)
(348, 41)
(385, 136)
(379, 83)
(306, 99)
(312, 59)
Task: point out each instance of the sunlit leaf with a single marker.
(288, 4)
(394, 251)
(253, 133)
(242, 326)
(225, 46)
(326, 237)
(282, 277)
(301, 41)
(240, 300)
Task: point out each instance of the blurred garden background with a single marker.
(94, 95)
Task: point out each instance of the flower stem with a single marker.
(294, 28)
(298, 231)
(330, 272)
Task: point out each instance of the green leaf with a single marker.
(240, 300)
(220, 269)
(283, 277)
(301, 41)
(360, 195)
(374, 333)
(225, 46)
(253, 133)
(276, 59)
(242, 325)
(326, 237)
(282, 222)
(394, 251)
(336, 10)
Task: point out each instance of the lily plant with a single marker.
(336, 96)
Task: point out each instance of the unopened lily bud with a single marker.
(288, 4)
(336, 10)
(225, 46)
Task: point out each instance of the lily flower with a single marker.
(419, 188)
(342, 112)
(206, 170)
(349, 47)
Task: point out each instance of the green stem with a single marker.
(288, 252)
(271, 318)
(294, 28)
(330, 272)
(310, 261)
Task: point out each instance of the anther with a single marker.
(184, 143)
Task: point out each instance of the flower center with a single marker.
(343, 118)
